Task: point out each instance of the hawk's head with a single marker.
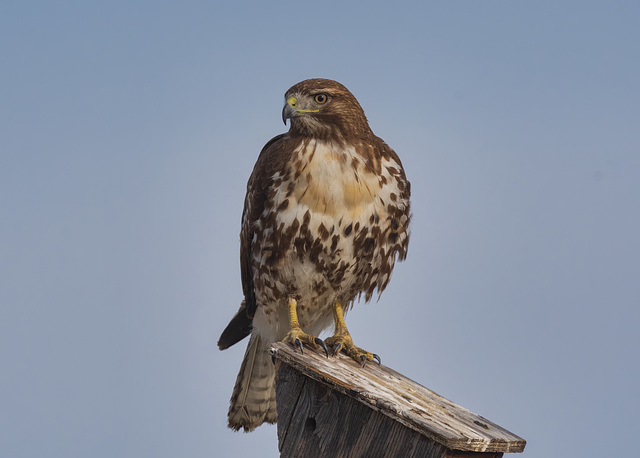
(324, 108)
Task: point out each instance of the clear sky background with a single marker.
(128, 131)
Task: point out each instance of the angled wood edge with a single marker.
(403, 400)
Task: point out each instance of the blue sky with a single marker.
(128, 131)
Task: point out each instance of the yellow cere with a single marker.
(293, 102)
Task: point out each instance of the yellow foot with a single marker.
(297, 336)
(342, 340)
(345, 343)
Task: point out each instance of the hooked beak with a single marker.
(290, 109)
(288, 112)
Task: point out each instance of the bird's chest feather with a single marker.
(332, 181)
(328, 211)
(328, 195)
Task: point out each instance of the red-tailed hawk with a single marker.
(325, 217)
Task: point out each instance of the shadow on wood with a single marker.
(333, 407)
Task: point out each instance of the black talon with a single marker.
(297, 342)
(364, 360)
(377, 359)
(321, 343)
(336, 349)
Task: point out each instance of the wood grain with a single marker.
(334, 404)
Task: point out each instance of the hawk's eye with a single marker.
(321, 98)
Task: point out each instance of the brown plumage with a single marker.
(325, 217)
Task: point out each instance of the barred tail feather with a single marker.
(253, 401)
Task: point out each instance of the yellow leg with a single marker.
(296, 335)
(342, 340)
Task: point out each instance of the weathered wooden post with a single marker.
(332, 407)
